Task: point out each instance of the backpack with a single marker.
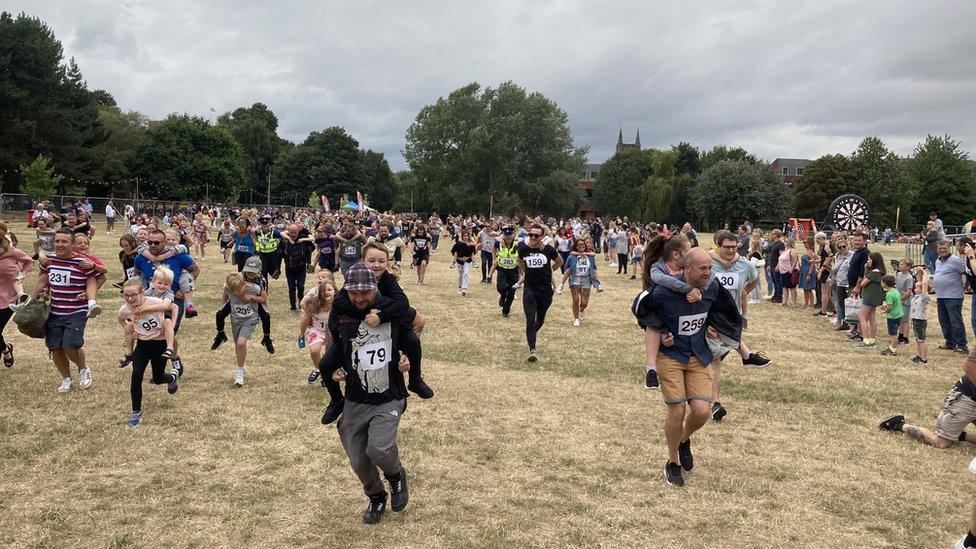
(31, 318)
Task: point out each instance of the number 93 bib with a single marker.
(372, 352)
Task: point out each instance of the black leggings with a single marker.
(621, 263)
(535, 303)
(486, 261)
(5, 315)
(332, 360)
(144, 353)
(296, 284)
(505, 279)
(240, 258)
(224, 312)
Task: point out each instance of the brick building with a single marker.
(789, 169)
(592, 171)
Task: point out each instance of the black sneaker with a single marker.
(672, 474)
(174, 384)
(919, 360)
(718, 411)
(266, 341)
(399, 496)
(684, 455)
(178, 366)
(219, 340)
(651, 381)
(332, 411)
(374, 511)
(313, 376)
(893, 423)
(756, 360)
(420, 387)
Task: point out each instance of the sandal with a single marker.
(8, 355)
(125, 361)
(167, 354)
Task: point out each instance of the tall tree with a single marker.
(687, 159)
(885, 185)
(619, 182)
(327, 162)
(822, 181)
(721, 152)
(125, 132)
(502, 145)
(943, 178)
(40, 183)
(379, 180)
(733, 191)
(185, 158)
(255, 129)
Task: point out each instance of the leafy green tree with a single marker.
(822, 181)
(735, 190)
(125, 132)
(40, 183)
(328, 163)
(941, 174)
(379, 180)
(45, 106)
(409, 194)
(687, 160)
(185, 158)
(498, 145)
(255, 129)
(617, 186)
(721, 152)
(886, 187)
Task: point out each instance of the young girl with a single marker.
(871, 296)
(920, 299)
(173, 247)
(242, 295)
(226, 238)
(784, 269)
(808, 272)
(636, 253)
(663, 259)
(579, 273)
(462, 251)
(314, 327)
(201, 235)
(160, 288)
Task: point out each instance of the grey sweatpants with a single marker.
(368, 435)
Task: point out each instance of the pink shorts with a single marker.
(313, 335)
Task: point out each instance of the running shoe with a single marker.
(8, 355)
(239, 378)
(94, 311)
(464, 293)
(863, 345)
(685, 457)
(919, 360)
(174, 383)
(576, 322)
(888, 351)
(718, 411)
(313, 376)
(582, 317)
(399, 495)
(961, 350)
(191, 311)
(332, 411)
(374, 511)
(961, 544)
(533, 356)
(420, 388)
(301, 343)
(266, 341)
(134, 420)
(65, 385)
(651, 380)
(117, 285)
(84, 378)
(756, 360)
(178, 366)
(672, 474)
(219, 339)
(893, 423)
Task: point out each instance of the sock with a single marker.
(241, 368)
(651, 367)
(91, 304)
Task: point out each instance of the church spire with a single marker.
(637, 142)
(620, 137)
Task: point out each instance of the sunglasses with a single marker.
(535, 235)
(156, 242)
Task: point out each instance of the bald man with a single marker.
(296, 249)
(686, 380)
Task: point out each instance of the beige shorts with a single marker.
(958, 411)
(684, 382)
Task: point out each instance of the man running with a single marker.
(505, 262)
(375, 394)
(537, 261)
(737, 275)
(686, 380)
(64, 279)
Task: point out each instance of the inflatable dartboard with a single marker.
(847, 212)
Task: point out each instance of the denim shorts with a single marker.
(893, 324)
(918, 326)
(66, 331)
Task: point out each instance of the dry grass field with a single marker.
(565, 452)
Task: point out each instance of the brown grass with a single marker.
(567, 452)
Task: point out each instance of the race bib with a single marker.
(149, 324)
(374, 356)
(729, 281)
(321, 323)
(689, 325)
(243, 310)
(420, 243)
(59, 277)
(350, 250)
(130, 272)
(583, 268)
(535, 261)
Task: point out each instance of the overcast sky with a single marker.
(782, 79)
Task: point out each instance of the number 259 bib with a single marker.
(689, 325)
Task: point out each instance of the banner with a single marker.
(359, 200)
(325, 203)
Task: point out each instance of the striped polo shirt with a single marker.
(66, 282)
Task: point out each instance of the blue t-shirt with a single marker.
(177, 264)
(687, 322)
(244, 244)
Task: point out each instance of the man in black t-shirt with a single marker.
(958, 411)
(772, 258)
(537, 261)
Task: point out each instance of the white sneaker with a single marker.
(576, 322)
(582, 317)
(972, 466)
(960, 543)
(239, 377)
(84, 378)
(65, 385)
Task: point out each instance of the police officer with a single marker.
(505, 263)
(267, 247)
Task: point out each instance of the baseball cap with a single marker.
(359, 278)
(507, 230)
(265, 219)
(252, 265)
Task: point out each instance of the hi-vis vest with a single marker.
(508, 257)
(266, 242)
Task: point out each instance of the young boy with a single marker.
(160, 286)
(920, 299)
(252, 273)
(242, 295)
(904, 283)
(893, 311)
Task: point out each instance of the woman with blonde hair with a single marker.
(14, 263)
